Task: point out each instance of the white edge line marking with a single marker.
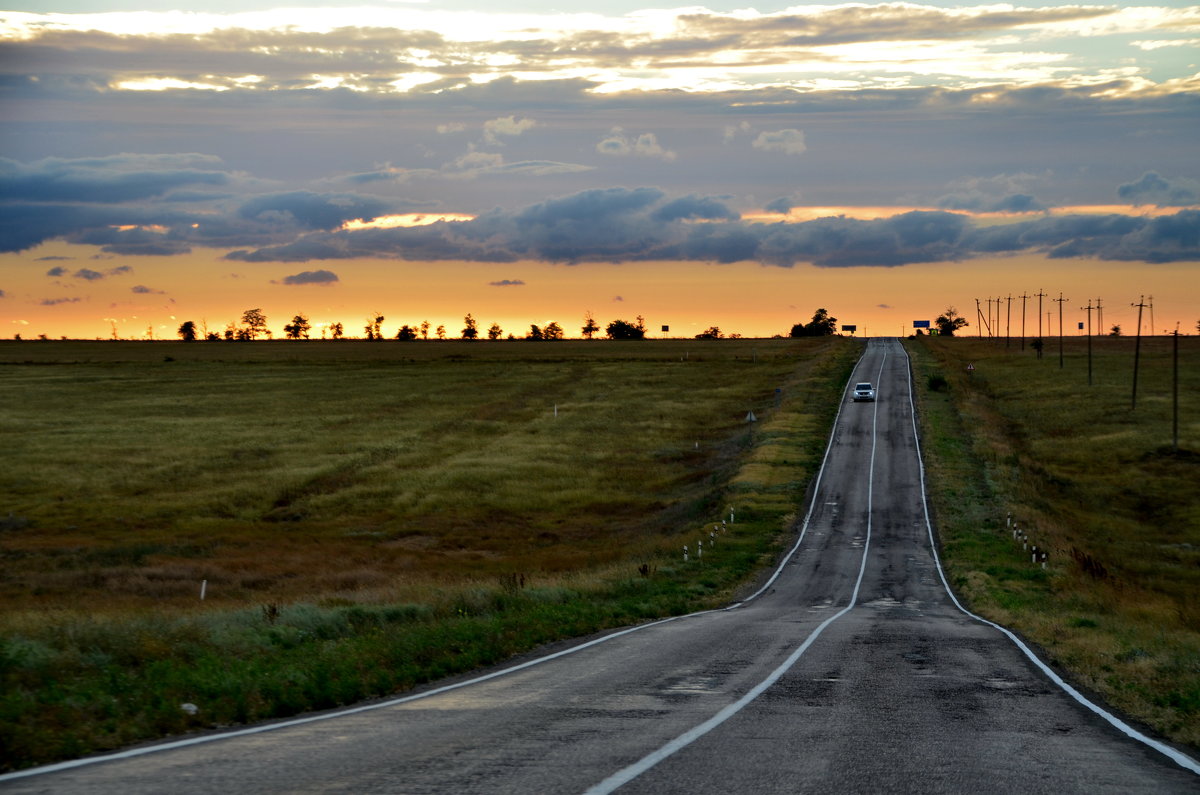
(1174, 755)
(285, 724)
(624, 776)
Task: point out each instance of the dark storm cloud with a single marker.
(1153, 189)
(98, 180)
(694, 207)
(623, 225)
(314, 210)
(311, 277)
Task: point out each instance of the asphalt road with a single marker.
(853, 671)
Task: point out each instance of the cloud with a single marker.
(694, 207)
(452, 127)
(783, 205)
(506, 126)
(311, 277)
(507, 283)
(57, 301)
(314, 210)
(788, 141)
(618, 299)
(3, 294)
(1153, 189)
(120, 178)
(1003, 193)
(143, 290)
(87, 274)
(53, 259)
(618, 144)
(1013, 203)
(643, 224)
(442, 52)
(57, 271)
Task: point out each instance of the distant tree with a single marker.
(336, 330)
(589, 326)
(624, 330)
(821, 325)
(1115, 332)
(949, 322)
(424, 329)
(552, 331)
(17, 337)
(298, 328)
(254, 323)
(640, 325)
(212, 336)
(243, 335)
(230, 330)
(441, 332)
(494, 331)
(187, 331)
(711, 333)
(406, 333)
(470, 328)
(535, 332)
(374, 327)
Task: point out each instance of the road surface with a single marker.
(852, 671)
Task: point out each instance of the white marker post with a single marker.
(685, 553)
(203, 589)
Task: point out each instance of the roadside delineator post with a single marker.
(203, 589)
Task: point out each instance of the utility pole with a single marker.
(1137, 348)
(1089, 309)
(1040, 296)
(1175, 391)
(1153, 328)
(1023, 297)
(1099, 316)
(1060, 301)
(1008, 322)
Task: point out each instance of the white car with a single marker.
(863, 391)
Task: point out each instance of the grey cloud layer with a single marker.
(624, 225)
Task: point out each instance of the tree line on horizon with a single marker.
(253, 326)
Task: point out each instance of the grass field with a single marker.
(1094, 482)
(364, 516)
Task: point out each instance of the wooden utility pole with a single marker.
(1060, 300)
(1175, 391)
(1008, 322)
(1153, 332)
(1089, 309)
(1099, 316)
(1137, 348)
(1040, 296)
(1023, 297)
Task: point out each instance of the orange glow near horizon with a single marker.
(744, 298)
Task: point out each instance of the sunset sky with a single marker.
(719, 164)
